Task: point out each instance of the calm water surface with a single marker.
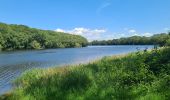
(13, 63)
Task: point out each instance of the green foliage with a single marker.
(137, 76)
(77, 45)
(35, 45)
(14, 37)
(152, 97)
(168, 42)
(158, 39)
(1, 47)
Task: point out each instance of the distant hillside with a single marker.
(157, 39)
(15, 37)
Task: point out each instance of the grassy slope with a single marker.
(136, 76)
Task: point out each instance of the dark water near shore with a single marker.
(13, 63)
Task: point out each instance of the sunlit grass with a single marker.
(135, 76)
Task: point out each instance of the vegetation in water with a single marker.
(14, 37)
(157, 39)
(144, 75)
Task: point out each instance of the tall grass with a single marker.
(136, 76)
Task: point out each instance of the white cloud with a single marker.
(90, 34)
(103, 34)
(135, 34)
(103, 6)
(78, 31)
(59, 30)
(147, 34)
(122, 35)
(132, 31)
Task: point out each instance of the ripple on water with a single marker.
(10, 72)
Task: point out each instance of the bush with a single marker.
(168, 42)
(35, 45)
(77, 45)
(1, 47)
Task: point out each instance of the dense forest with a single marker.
(15, 37)
(157, 39)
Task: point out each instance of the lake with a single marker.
(13, 63)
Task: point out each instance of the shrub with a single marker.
(77, 45)
(168, 42)
(1, 47)
(35, 45)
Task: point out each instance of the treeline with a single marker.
(158, 39)
(15, 37)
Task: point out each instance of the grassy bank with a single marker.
(136, 76)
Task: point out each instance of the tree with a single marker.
(2, 42)
(168, 42)
(35, 45)
(14, 37)
(157, 39)
(77, 45)
(1, 47)
(168, 32)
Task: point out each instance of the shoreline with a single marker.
(61, 67)
(124, 69)
(18, 50)
(65, 67)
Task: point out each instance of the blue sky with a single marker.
(93, 19)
